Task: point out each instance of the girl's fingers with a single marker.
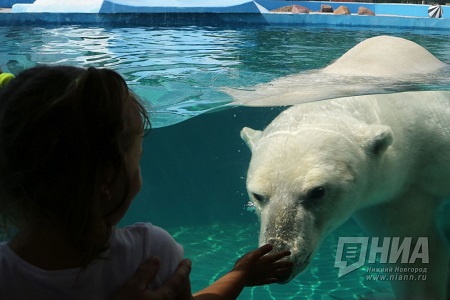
(272, 257)
(262, 254)
(258, 253)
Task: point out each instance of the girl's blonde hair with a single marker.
(61, 127)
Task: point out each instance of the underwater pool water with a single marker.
(213, 248)
(194, 163)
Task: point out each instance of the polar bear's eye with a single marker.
(258, 197)
(316, 193)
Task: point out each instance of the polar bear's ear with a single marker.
(378, 139)
(250, 136)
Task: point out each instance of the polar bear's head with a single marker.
(306, 181)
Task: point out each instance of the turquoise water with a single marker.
(180, 70)
(194, 163)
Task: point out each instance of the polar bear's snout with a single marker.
(287, 227)
(301, 257)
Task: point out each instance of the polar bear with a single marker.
(373, 66)
(382, 159)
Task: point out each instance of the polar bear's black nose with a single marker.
(278, 245)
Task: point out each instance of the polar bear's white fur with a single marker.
(385, 56)
(382, 159)
(370, 67)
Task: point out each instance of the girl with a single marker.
(70, 146)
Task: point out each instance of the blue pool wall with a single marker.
(148, 6)
(10, 3)
(113, 13)
(411, 10)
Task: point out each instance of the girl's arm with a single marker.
(254, 268)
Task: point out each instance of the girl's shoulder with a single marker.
(143, 240)
(147, 236)
(136, 231)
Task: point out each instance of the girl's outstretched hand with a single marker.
(260, 267)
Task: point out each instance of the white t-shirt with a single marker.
(129, 247)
